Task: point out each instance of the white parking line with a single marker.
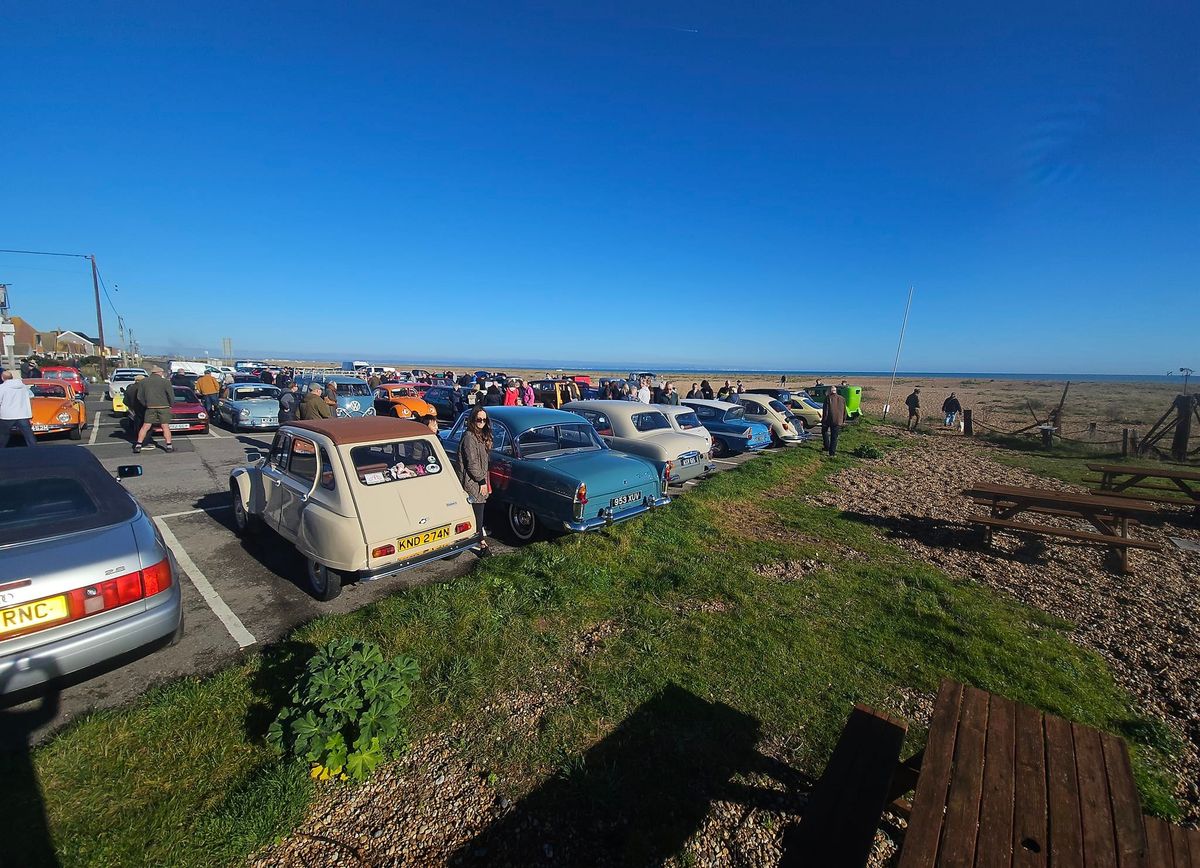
(236, 628)
(212, 432)
(730, 463)
(95, 429)
(195, 511)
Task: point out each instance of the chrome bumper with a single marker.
(430, 557)
(608, 517)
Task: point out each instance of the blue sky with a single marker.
(683, 183)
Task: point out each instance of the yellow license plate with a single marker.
(33, 614)
(418, 540)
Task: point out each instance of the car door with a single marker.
(272, 476)
(296, 482)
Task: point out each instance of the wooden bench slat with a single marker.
(1158, 844)
(966, 784)
(1066, 841)
(998, 803)
(1179, 844)
(1053, 497)
(1127, 820)
(929, 804)
(1159, 472)
(1068, 533)
(1031, 825)
(1095, 805)
(1045, 510)
(1153, 498)
(838, 827)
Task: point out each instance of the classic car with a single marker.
(248, 405)
(556, 393)
(56, 408)
(731, 431)
(119, 380)
(805, 409)
(443, 401)
(780, 395)
(642, 429)
(360, 498)
(550, 471)
(402, 401)
(71, 376)
(852, 394)
(786, 429)
(354, 396)
(87, 580)
(188, 415)
(684, 420)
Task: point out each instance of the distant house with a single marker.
(26, 339)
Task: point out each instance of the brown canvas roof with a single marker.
(362, 429)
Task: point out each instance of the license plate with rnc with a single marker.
(417, 540)
(35, 614)
(623, 499)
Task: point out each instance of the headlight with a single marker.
(64, 417)
(338, 411)
(404, 411)
(201, 416)
(370, 411)
(243, 414)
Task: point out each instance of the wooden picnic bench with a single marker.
(1003, 784)
(1116, 480)
(1169, 846)
(1111, 517)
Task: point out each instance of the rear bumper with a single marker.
(608, 516)
(436, 555)
(40, 664)
(692, 471)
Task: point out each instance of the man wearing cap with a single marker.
(951, 407)
(157, 396)
(313, 406)
(913, 402)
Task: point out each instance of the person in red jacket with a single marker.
(511, 396)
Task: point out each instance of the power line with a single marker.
(45, 253)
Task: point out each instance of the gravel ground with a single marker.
(1145, 625)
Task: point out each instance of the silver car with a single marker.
(84, 575)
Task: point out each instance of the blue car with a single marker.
(550, 471)
(354, 396)
(731, 431)
(253, 406)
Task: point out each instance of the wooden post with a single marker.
(1047, 436)
(1183, 427)
(968, 428)
(1133, 442)
(1124, 442)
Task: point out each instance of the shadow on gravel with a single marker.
(21, 802)
(277, 672)
(637, 796)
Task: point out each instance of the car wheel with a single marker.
(523, 523)
(323, 583)
(245, 522)
(720, 449)
(76, 433)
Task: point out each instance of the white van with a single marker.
(196, 368)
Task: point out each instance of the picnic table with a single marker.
(1002, 783)
(1111, 517)
(1117, 479)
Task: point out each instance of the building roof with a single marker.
(362, 429)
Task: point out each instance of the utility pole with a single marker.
(899, 344)
(99, 318)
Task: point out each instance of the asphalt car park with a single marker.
(237, 594)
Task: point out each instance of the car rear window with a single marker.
(39, 499)
(687, 421)
(556, 438)
(777, 407)
(650, 421)
(44, 390)
(735, 414)
(391, 462)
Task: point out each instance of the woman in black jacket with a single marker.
(471, 461)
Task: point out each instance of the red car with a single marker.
(188, 415)
(70, 376)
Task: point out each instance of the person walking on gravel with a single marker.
(913, 402)
(314, 406)
(471, 461)
(951, 407)
(157, 396)
(833, 415)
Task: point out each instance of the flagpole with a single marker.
(896, 363)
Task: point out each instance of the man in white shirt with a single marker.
(15, 409)
(643, 392)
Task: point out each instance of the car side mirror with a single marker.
(253, 456)
(125, 471)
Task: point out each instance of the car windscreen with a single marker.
(44, 390)
(653, 421)
(38, 502)
(59, 375)
(127, 376)
(390, 462)
(558, 438)
(687, 421)
(184, 395)
(735, 414)
(248, 394)
(357, 388)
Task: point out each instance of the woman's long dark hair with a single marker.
(485, 435)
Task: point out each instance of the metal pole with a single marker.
(99, 318)
(8, 338)
(896, 363)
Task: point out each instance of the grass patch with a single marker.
(182, 776)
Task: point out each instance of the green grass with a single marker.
(182, 775)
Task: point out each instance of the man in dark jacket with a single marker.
(833, 415)
(289, 403)
(314, 406)
(156, 395)
(951, 407)
(913, 402)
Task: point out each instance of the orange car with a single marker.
(402, 401)
(56, 409)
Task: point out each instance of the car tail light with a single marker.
(748, 433)
(119, 591)
(462, 527)
(157, 578)
(785, 427)
(383, 551)
(667, 473)
(581, 494)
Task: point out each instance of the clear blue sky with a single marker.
(716, 184)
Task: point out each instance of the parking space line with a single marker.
(212, 432)
(195, 511)
(95, 429)
(236, 628)
(723, 461)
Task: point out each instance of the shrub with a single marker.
(866, 450)
(347, 707)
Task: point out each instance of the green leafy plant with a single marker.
(346, 708)
(866, 450)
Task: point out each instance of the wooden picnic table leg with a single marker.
(1124, 549)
